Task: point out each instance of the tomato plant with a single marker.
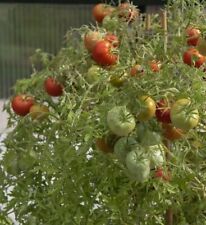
(201, 46)
(60, 171)
(21, 104)
(103, 55)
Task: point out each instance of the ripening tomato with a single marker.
(123, 146)
(113, 39)
(103, 55)
(21, 104)
(172, 133)
(106, 143)
(193, 58)
(101, 10)
(163, 111)
(159, 173)
(155, 66)
(53, 87)
(120, 121)
(117, 81)
(137, 71)
(147, 108)
(103, 145)
(182, 116)
(193, 35)
(38, 111)
(91, 38)
(201, 46)
(138, 166)
(127, 12)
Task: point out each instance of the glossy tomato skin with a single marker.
(192, 57)
(138, 166)
(120, 121)
(101, 10)
(127, 12)
(182, 116)
(102, 54)
(38, 112)
(112, 39)
(53, 87)
(21, 104)
(193, 35)
(147, 108)
(172, 133)
(137, 71)
(163, 111)
(91, 38)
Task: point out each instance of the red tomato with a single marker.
(101, 10)
(102, 54)
(192, 57)
(193, 35)
(163, 111)
(53, 87)
(113, 39)
(21, 104)
(91, 38)
(128, 12)
(159, 173)
(136, 71)
(172, 133)
(155, 66)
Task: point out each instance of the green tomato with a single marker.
(182, 116)
(138, 166)
(93, 74)
(156, 155)
(123, 146)
(110, 23)
(120, 121)
(149, 138)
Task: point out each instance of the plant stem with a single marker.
(169, 217)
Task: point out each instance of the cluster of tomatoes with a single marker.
(23, 104)
(195, 54)
(176, 118)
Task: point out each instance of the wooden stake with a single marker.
(164, 26)
(148, 21)
(169, 217)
